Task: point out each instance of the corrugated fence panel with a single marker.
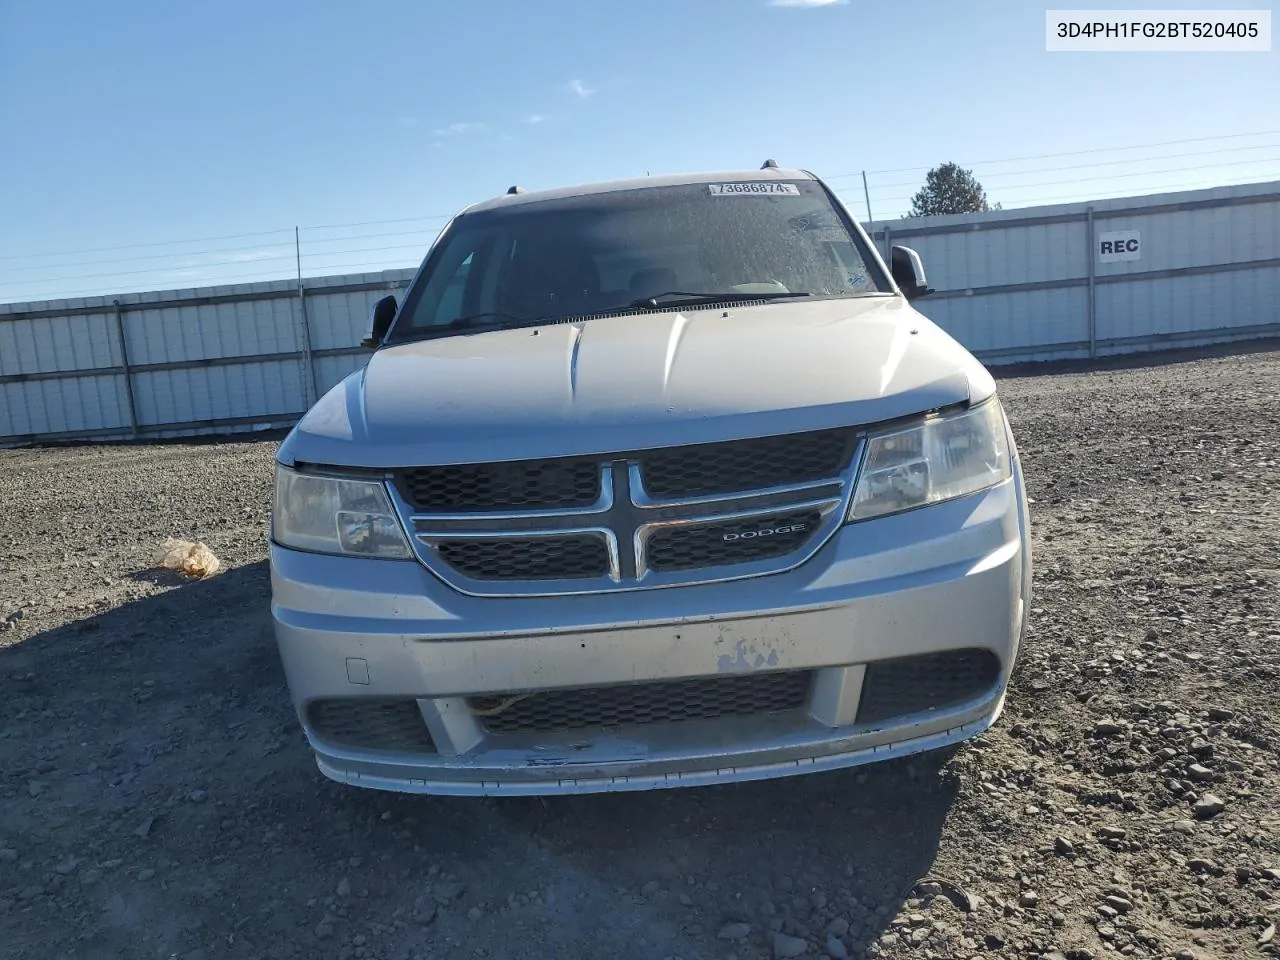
(1022, 321)
(69, 405)
(1184, 304)
(48, 344)
(1011, 285)
(230, 391)
(342, 319)
(996, 257)
(237, 329)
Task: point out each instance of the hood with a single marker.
(615, 384)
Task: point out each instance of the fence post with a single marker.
(309, 388)
(1093, 300)
(128, 373)
(888, 249)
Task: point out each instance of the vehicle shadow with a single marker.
(156, 785)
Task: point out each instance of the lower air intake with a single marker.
(931, 681)
(371, 724)
(641, 703)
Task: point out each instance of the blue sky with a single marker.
(154, 145)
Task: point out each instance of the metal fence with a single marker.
(1059, 282)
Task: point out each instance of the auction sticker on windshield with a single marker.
(755, 188)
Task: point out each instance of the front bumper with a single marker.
(954, 576)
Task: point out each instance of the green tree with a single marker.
(949, 188)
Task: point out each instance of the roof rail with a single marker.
(769, 165)
(514, 190)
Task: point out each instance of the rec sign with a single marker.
(1119, 245)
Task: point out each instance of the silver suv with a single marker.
(650, 483)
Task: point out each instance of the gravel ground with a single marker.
(157, 798)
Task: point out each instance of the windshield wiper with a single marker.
(683, 298)
(490, 318)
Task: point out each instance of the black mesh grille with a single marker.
(640, 703)
(746, 464)
(760, 538)
(523, 485)
(533, 558)
(932, 681)
(371, 723)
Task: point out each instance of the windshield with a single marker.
(693, 244)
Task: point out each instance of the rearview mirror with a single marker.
(380, 316)
(908, 273)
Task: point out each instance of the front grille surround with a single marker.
(629, 538)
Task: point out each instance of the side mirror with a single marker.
(908, 273)
(380, 316)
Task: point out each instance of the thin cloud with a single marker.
(255, 255)
(807, 3)
(536, 118)
(459, 129)
(580, 89)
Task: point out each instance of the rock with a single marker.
(143, 830)
(475, 913)
(930, 888)
(685, 900)
(1064, 847)
(1112, 833)
(197, 796)
(1184, 955)
(1243, 875)
(35, 788)
(1028, 899)
(785, 946)
(1107, 728)
(1267, 935)
(1271, 873)
(1184, 826)
(8, 855)
(1199, 774)
(324, 929)
(650, 888)
(448, 892)
(838, 927)
(67, 866)
(1203, 865)
(1119, 904)
(734, 931)
(344, 888)
(146, 873)
(1220, 714)
(836, 949)
(1209, 806)
(30, 892)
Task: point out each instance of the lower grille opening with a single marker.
(531, 558)
(371, 724)
(931, 681)
(736, 541)
(641, 703)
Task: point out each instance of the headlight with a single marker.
(939, 458)
(329, 515)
